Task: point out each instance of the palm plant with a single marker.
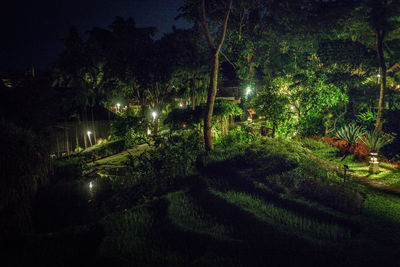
(375, 140)
(351, 134)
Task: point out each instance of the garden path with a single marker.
(361, 179)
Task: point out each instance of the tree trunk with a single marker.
(155, 130)
(93, 127)
(212, 91)
(379, 42)
(214, 52)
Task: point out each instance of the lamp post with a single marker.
(374, 163)
(90, 140)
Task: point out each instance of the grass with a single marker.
(387, 174)
(183, 212)
(286, 220)
(266, 203)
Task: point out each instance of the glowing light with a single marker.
(378, 75)
(180, 104)
(292, 107)
(154, 115)
(148, 132)
(398, 86)
(248, 90)
(90, 185)
(374, 158)
(118, 105)
(89, 133)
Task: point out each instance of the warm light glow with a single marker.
(154, 115)
(378, 75)
(118, 105)
(89, 133)
(374, 158)
(398, 86)
(180, 104)
(292, 107)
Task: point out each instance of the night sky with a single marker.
(32, 30)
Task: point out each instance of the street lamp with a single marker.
(90, 140)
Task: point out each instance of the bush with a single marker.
(130, 127)
(236, 137)
(174, 155)
(69, 168)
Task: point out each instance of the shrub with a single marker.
(375, 140)
(350, 133)
(130, 127)
(236, 137)
(173, 156)
(69, 168)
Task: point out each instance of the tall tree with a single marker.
(214, 47)
(374, 22)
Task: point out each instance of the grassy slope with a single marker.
(227, 217)
(242, 210)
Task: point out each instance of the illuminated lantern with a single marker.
(374, 163)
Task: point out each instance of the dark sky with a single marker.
(32, 30)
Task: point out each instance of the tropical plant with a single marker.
(351, 134)
(375, 140)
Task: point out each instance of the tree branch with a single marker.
(225, 25)
(204, 25)
(227, 59)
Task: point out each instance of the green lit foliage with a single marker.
(350, 133)
(179, 117)
(376, 140)
(173, 156)
(273, 104)
(367, 119)
(236, 138)
(225, 108)
(131, 127)
(191, 118)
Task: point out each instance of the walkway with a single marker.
(352, 176)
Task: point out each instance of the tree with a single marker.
(216, 11)
(374, 22)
